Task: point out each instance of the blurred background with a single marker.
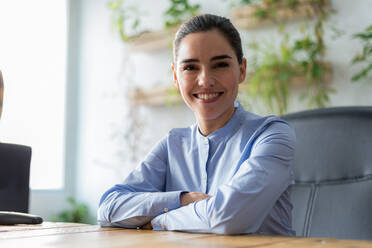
(88, 85)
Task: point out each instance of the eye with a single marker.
(189, 67)
(221, 64)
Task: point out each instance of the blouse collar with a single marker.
(228, 129)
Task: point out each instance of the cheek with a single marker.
(184, 87)
(229, 79)
(185, 82)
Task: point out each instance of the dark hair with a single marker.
(208, 22)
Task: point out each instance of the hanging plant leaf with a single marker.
(179, 11)
(123, 16)
(365, 57)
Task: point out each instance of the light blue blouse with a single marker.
(246, 166)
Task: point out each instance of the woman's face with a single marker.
(207, 73)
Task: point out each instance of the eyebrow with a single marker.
(188, 61)
(223, 56)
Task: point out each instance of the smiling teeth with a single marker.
(207, 96)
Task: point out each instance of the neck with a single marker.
(206, 127)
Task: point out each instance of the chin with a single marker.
(208, 116)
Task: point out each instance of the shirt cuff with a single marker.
(158, 223)
(172, 200)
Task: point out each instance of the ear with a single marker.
(242, 70)
(175, 80)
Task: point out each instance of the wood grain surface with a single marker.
(79, 235)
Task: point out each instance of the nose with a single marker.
(205, 78)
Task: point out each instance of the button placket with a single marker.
(204, 173)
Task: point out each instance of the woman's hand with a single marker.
(185, 199)
(191, 197)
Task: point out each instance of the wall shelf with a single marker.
(245, 17)
(161, 95)
(152, 41)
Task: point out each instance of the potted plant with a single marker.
(78, 213)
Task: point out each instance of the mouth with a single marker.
(208, 97)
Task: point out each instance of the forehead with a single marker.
(204, 45)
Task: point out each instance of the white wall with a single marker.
(106, 67)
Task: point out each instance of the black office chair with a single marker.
(14, 172)
(332, 195)
(14, 177)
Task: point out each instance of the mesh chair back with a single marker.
(332, 196)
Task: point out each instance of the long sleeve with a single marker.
(141, 197)
(242, 204)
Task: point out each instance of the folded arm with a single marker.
(241, 205)
(141, 197)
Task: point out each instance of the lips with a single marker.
(208, 97)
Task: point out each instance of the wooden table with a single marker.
(79, 235)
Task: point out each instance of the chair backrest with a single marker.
(332, 196)
(14, 177)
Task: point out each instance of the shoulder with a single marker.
(172, 143)
(267, 126)
(180, 133)
(176, 137)
(179, 139)
(276, 130)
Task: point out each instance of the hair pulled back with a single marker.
(207, 22)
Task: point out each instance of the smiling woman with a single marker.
(207, 72)
(229, 173)
(33, 63)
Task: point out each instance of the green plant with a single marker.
(268, 8)
(235, 3)
(78, 213)
(296, 59)
(179, 11)
(269, 76)
(123, 17)
(365, 57)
